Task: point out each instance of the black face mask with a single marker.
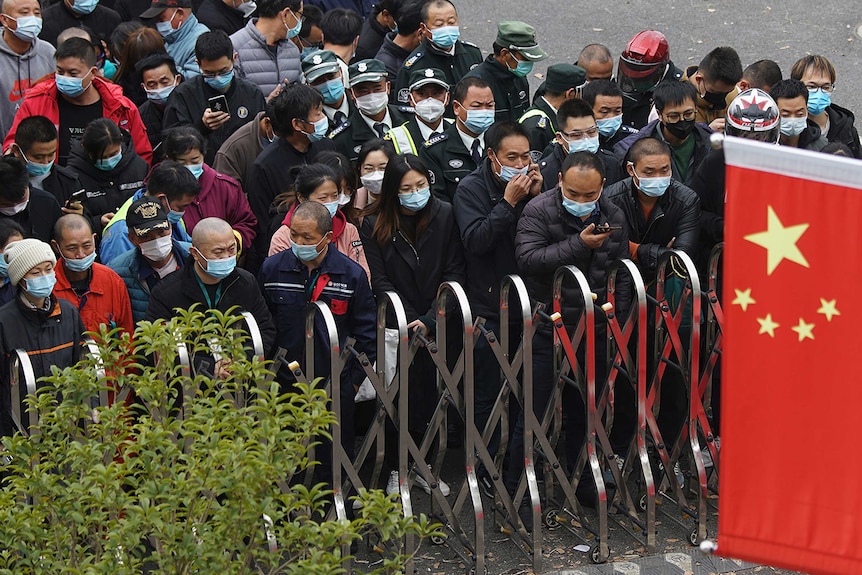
(681, 129)
(717, 100)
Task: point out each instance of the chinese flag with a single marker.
(791, 463)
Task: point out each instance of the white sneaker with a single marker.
(444, 489)
(392, 487)
(707, 456)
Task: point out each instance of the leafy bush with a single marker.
(179, 480)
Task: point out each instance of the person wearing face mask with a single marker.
(322, 72)
(715, 80)
(155, 254)
(48, 328)
(31, 208)
(298, 118)
(371, 165)
(76, 14)
(372, 116)
(563, 83)
(797, 129)
(313, 271)
(837, 124)
(9, 232)
(348, 182)
(236, 156)
(379, 23)
(642, 65)
(24, 58)
(172, 185)
(559, 228)
(180, 28)
(190, 103)
(515, 51)
(675, 103)
(36, 146)
(159, 78)
(76, 96)
(606, 99)
(578, 132)
(211, 280)
(441, 48)
(456, 152)
(429, 96)
(310, 37)
(220, 196)
(319, 183)
(97, 292)
(109, 169)
(266, 53)
(399, 43)
(229, 16)
(405, 226)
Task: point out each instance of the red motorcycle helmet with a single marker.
(644, 61)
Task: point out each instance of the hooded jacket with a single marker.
(18, 73)
(842, 129)
(107, 191)
(42, 101)
(221, 197)
(257, 63)
(180, 44)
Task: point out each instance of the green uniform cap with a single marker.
(318, 64)
(562, 77)
(520, 37)
(366, 71)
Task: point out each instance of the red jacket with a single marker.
(107, 302)
(42, 101)
(222, 197)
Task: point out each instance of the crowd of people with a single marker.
(270, 153)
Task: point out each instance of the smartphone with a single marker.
(218, 104)
(78, 196)
(605, 229)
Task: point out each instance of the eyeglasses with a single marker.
(825, 88)
(674, 117)
(212, 76)
(581, 134)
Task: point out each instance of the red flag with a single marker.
(791, 469)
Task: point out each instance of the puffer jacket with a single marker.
(256, 62)
(676, 217)
(221, 197)
(140, 278)
(548, 238)
(180, 44)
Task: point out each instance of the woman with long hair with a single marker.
(370, 165)
(140, 43)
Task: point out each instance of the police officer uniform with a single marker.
(321, 63)
(511, 91)
(408, 137)
(454, 66)
(540, 120)
(448, 160)
(355, 131)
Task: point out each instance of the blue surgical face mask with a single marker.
(579, 209)
(445, 36)
(653, 187)
(174, 217)
(40, 286)
(34, 169)
(332, 207)
(417, 200)
(523, 68)
(28, 28)
(166, 29)
(196, 170)
(108, 164)
(220, 268)
(320, 128)
(331, 90)
(3, 265)
(69, 86)
(479, 120)
(590, 145)
(609, 126)
(84, 6)
(220, 82)
(294, 32)
(307, 253)
(82, 264)
(160, 95)
(791, 127)
(507, 172)
(818, 101)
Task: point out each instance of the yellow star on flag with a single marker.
(767, 325)
(805, 330)
(779, 241)
(743, 299)
(828, 309)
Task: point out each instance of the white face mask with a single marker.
(157, 249)
(16, 209)
(429, 109)
(372, 181)
(343, 199)
(372, 104)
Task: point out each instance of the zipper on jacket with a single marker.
(649, 227)
(415, 253)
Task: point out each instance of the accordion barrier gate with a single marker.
(630, 487)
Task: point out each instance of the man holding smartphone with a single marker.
(217, 102)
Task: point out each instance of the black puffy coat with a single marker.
(548, 238)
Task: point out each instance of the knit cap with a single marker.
(24, 255)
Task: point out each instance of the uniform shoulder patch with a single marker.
(543, 122)
(629, 129)
(435, 139)
(344, 125)
(407, 109)
(466, 43)
(412, 59)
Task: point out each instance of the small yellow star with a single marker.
(779, 241)
(828, 309)
(743, 299)
(767, 325)
(805, 330)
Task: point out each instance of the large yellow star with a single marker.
(805, 330)
(828, 309)
(743, 299)
(779, 241)
(767, 325)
